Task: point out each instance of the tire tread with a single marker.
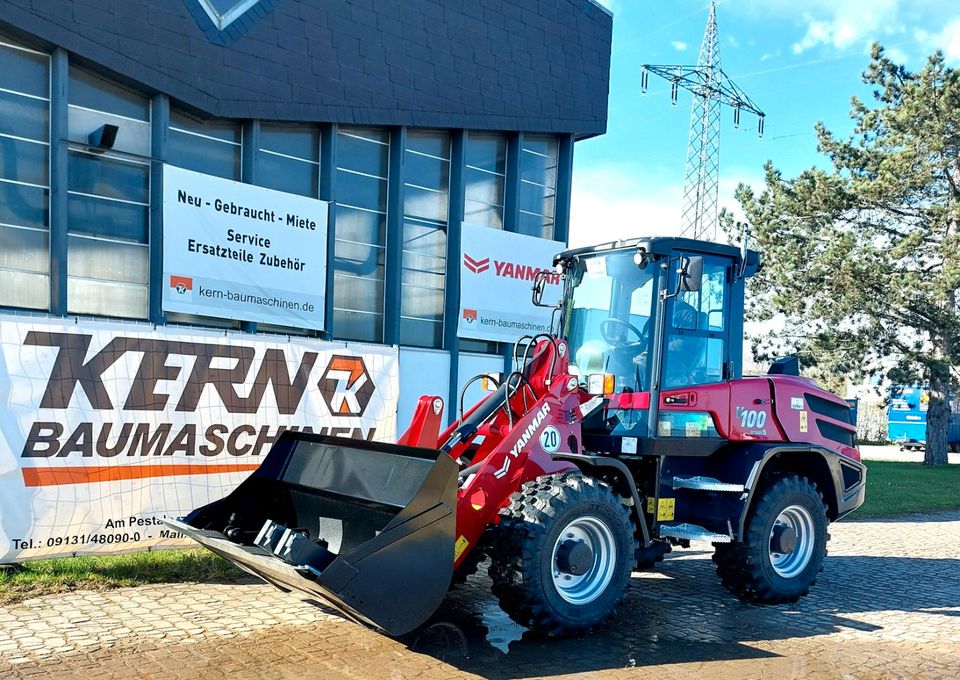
(521, 536)
(737, 564)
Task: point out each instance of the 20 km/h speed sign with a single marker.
(550, 439)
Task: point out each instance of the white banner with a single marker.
(105, 427)
(496, 283)
(238, 251)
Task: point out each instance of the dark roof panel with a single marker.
(535, 65)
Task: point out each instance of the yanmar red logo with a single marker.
(476, 266)
(509, 270)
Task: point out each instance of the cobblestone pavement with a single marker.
(887, 606)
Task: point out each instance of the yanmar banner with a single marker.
(497, 269)
(105, 428)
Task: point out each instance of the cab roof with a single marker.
(664, 245)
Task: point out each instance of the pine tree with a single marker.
(863, 260)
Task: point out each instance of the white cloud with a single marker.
(734, 43)
(842, 24)
(947, 40)
(614, 202)
(678, 45)
(612, 5)
(766, 56)
(898, 55)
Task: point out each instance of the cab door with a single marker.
(696, 339)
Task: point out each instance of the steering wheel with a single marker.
(618, 340)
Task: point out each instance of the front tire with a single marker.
(784, 543)
(563, 554)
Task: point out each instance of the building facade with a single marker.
(410, 117)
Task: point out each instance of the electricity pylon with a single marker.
(711, 89)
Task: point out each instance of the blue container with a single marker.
(907, 417)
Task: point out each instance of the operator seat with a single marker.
(590, 357)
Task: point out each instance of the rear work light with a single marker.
(600, 383)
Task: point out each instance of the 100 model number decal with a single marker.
(753, 421)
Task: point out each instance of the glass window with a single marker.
(480, 346)
(289, 158)
(363, 156)
(24, 177)
(696, 339)
(23, 116)
(703, 309)
(687, 424)
(108, 200)
(23, 70)
(93, 92)
(607, 318)
(425, 206)
(211, 147)
(538, 185)
(484, 179)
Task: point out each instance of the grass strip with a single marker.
(42, 577)
(896, 489)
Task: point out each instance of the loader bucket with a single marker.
(365, 527)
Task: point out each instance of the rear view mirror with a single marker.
(691, 273)
(539, 285)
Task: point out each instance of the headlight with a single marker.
(601, 383)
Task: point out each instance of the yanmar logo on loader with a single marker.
(532, 430)
(509, 270)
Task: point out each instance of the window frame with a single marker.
(706, 334)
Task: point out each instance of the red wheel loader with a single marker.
(629, 430)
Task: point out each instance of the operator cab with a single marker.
(652, 314)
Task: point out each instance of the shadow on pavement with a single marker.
(682, 614)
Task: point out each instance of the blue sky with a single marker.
(799, 60)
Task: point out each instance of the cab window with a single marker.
(696, 340)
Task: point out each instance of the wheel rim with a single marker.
(585, 587)
(788, 563)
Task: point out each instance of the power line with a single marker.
(675, 21)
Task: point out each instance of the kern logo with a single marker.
(346, 386)
(182, 286)
(476, 266)
(469, 315)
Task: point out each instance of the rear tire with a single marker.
(563, 554)
(784, 543)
